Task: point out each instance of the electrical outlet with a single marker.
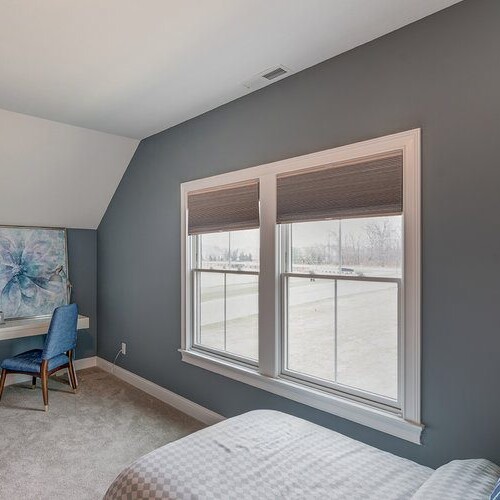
(124, 348)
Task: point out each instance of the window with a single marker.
(341, 289)
(226, 290)
(302, 277)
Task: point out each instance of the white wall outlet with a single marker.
(124, 348)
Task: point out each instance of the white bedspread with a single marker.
(268, 455)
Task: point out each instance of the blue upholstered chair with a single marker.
(56, 354)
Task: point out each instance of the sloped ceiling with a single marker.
(133, 68)
(52, 174)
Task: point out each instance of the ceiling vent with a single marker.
(271, 75)
(268, 76)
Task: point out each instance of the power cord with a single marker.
(114, 361)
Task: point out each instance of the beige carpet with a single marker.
(76, 449)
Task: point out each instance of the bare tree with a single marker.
(352, 250)
(384, 242)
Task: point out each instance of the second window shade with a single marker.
(228, 208)
(363, 188)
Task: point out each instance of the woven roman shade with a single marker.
(360, 188)
(226, 208)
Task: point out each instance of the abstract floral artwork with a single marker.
(33, 271)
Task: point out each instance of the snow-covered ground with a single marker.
(356, 344)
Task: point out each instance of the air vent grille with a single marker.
(271, 75)
(267, 77)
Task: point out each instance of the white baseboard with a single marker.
(80, 364)
(182, 404)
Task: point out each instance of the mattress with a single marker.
(268, 455)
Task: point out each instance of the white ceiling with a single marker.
(135, 67)
(52, 174)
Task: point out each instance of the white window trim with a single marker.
(407, 424)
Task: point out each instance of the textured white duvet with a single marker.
(268, 455)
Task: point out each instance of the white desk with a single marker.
(17, 328)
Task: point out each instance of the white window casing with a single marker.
(405, 422)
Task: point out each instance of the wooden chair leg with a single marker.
(45, 384)
(2, 381)
(70, 376)
(72, 372)
(33, 382)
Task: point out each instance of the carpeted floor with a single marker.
(76, 449)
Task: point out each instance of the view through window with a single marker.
(342, 294)
(342, 284)
(227, 282)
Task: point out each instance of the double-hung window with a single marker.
(302, 277)
(224, 242)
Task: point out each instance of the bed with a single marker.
(266, 454)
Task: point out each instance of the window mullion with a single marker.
(268, 280)
(335, 326)
(225, 311)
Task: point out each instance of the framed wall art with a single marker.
(33, 271)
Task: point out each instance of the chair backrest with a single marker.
(61, 336)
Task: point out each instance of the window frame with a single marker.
(404, 422)
(196, 272)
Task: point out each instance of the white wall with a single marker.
(52, 174)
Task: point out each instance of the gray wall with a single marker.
(441, 74)
(82, 263)
(82, 256)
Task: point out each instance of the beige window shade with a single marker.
(228, 208)
(361, 188)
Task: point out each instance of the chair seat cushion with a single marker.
(30, 362)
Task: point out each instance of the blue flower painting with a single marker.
(33, 271)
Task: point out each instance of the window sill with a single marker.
(360, 413)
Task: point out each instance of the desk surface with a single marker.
(17, 328)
